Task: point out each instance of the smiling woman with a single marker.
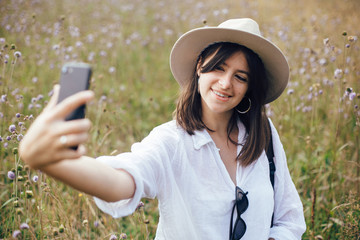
(193, 164)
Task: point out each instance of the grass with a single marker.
(128, 44)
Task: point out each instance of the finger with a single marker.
(69, 104)
(54, 98)
(72, 126)
(70, 140)
(67, 153)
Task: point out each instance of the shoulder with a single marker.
(168, 133)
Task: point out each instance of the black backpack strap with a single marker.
(270, 156)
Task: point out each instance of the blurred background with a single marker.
(128, 44)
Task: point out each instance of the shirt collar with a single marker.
(200, 138)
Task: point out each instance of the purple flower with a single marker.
(338, 73)
(113, 237)
(11, 175)
(1, 139)
(19, 137)
(35, 178)
(24, 226)
(8, 138)
(16, 234)
(12, 128)
(352, 95)
(17, 115)
(123, 236)
(96, 224)
(3, 98)
(290, 91)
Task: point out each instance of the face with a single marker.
(223, 88)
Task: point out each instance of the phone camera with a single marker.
(66, 70)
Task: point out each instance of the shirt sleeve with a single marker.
(147, 163)
(289, 222)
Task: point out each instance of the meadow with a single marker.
(128, 45)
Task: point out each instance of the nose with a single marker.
(225, 81)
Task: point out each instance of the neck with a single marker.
(217, 122)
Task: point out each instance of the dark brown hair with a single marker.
(188, 112)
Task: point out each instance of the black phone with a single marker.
(75, 77)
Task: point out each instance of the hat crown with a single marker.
(242, 24)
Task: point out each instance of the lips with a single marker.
(221, 94)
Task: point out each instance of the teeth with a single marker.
(219, 94)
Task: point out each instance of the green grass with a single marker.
(318, 125)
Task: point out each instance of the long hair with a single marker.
(188, 113)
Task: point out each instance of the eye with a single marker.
(218, 68)
(241, 78)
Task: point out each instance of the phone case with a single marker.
(75, 77)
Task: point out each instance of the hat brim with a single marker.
(189, 46)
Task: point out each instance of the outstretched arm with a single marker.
(42, 148)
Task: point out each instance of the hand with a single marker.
(49, 137)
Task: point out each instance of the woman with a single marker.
(195, 164)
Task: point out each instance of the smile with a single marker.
(220, 94)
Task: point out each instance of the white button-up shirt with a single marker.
(195, 191)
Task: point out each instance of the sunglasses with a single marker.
(241, 205)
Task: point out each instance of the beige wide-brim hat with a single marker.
(243, 31)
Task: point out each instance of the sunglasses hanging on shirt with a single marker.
(241, 204)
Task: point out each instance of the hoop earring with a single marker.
(246, 109)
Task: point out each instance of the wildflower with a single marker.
(12, 128)
(112, 69)
(17, 54)
(2, 40)
(347, 45)
(8, 138)
(20, 124)
(16, 234)
(3, 98)
(17, 115)
(352, 95)
(322, 61)
(1, 139)
(24, 226)
(35, 178)
(19, 137)
(34, 79)
(352, 38)
(290, 91)
(338, 73)
(123, 236)
(113, 237)
(11, 175)
(39, 97)
(96, 224)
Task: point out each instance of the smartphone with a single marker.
(75, 77)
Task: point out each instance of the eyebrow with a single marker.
(239, 70)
